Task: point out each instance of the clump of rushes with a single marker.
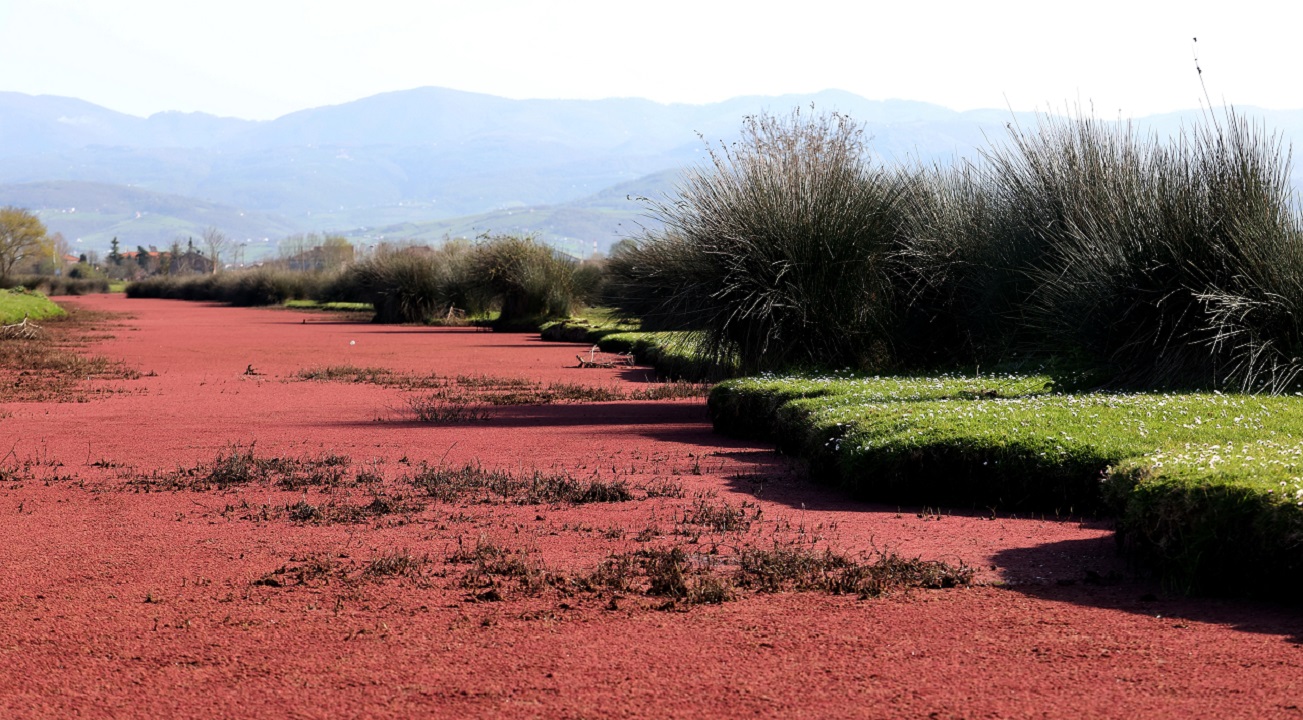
(403, 287)
(412, 285)
(531, 282)
(778, 249)
(58, 285)
(1154, 264)
(491, 564)
(239, 465)
(722, 517)
(1167, 264)
(795, 568)
(439, 409)
(694, 579)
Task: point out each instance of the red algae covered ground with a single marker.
(134, 584)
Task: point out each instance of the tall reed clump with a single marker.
(1164, 264)
(269, 286)
(1149, 263)
(403, 287)
(413, 285)
(528, 280)
(176, 287)
(778, 249)
(962, 269)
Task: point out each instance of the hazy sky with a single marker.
(263, 59)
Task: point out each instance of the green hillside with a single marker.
(90, 215)
(578, 227)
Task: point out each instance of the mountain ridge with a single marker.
(425, 156)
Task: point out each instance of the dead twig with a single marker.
(605, 360)
(26, 330)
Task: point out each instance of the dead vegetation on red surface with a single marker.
(50, 365)
(715, 552)
(224, 543)
(490, 390)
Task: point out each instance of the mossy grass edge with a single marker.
(1205, 487)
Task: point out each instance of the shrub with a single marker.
(1169, 265)
(267, 286)
(589, 281)
(530, 281)
(778, 249)
(1155, 264)
(402, 287)
(962, 266)
(411, 285)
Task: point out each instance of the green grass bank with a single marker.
(675, 354)
(1205, 487)
(18, 304)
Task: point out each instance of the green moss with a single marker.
(588, 325)
(1197, 480)
(674, 354)
(329, 306)
(1214, 517)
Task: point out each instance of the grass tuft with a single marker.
(238, 465)
(397, 563)
(472, 482)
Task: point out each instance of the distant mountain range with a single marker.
(418, 164)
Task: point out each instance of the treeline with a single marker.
(520, 280)
(1148, 263)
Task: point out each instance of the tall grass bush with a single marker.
(175, 287)
(408, 286)
(778, 249)
(962, 270)
(1167, 264)
(403, 287)
(529, 281)
(1156, 264)
(269, 286)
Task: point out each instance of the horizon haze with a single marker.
(262, 61)
(423, 164)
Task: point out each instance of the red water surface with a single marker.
(117, 603)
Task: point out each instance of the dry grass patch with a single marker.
(48, 367)
(239, 466)
(472, 483)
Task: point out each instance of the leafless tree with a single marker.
(217, 243)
